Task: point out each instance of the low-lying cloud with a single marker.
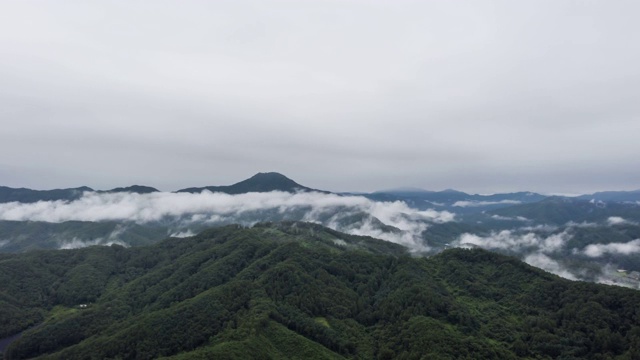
(534, 247)
(617, 220)
(509, 218)
(545, 247)
(472, 203)
(77, 243)
(583, 224)
(508, 240)
(546, 263)
(185, 209)
(597, 250)
(182, 234)
(540, 228)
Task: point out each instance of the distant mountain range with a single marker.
(560, 210)
(261, 182)
(581, 237)
(273, 181)
(454, 200)
(616, 196)
(24, 195)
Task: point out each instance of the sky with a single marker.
(480, 96)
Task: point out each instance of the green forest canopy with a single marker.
(297, 290)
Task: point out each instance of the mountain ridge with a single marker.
(617, 196)
(274, 181)
(26, 195)
(8, 194)
(560, 210)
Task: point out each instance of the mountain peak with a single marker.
(269, 176)
(260, 182)
(268, 181)
(452, 191)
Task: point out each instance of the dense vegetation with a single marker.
(295, 290)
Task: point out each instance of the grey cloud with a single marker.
(209, 92)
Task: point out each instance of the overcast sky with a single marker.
(482, 96)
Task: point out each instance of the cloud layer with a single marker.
(352, 214)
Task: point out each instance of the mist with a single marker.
(532, 247)
(112, 239)
(546, 263)
(509, 240)
(474, 203)
(566, 251)
(77, 243)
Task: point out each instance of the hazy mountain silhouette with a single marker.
(260, 182)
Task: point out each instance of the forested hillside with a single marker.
(297, 290)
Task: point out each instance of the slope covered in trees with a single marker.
(296, 290)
